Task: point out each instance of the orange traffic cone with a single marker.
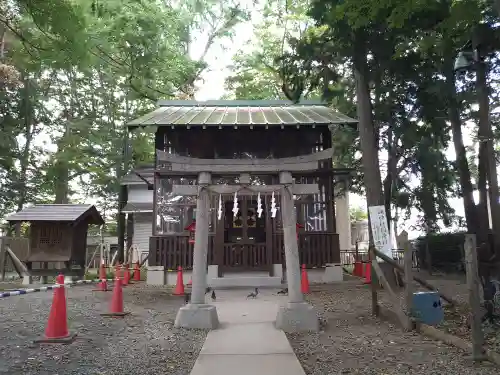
(368, 274)
(358, 269)
(117, 270)
(304, 285)
(126, 275)
(137, 272)
(103, 285)
(57, 326)
(179, 287)
(116, 308)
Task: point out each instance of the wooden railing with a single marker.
(245, 255)
(172, 251)
(348, 257)
(316, 249)
(18, 245)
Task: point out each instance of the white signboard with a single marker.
(380, 230)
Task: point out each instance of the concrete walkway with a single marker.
(247, 342)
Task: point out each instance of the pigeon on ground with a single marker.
(213, 296)
(254, 293)
(283, 291)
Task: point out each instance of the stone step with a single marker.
(245, 281)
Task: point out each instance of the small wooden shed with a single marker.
(58, 237)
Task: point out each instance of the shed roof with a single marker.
(58, 212)
(133, 179)
(132, 207)
(241, 112)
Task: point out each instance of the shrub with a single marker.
(445, 249)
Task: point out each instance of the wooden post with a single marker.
(374, 283)
(428, 258)
(290, 240)
(424, 283)
(474, 300)
(377, 271)
(201, 240)
(3, 258)
(408, 278)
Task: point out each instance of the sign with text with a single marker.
(380, 230)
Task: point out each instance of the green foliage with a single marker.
(86, 68)
(405, 50)
(357, 214)
(95, 275)
(445, 249)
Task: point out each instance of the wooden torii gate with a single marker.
(298, 315)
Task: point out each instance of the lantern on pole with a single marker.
(191, 228)
(298, 226)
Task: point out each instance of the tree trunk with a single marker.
(62, 169)
(497, 6)
(460, 152)
(369, 147)
(25, 155)
(483, 224)
(486, 137)
(427, 198)
(388, 181)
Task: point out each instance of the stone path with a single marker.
(247, 342)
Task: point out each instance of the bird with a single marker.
(283, 291)
(254, 294)
(213, 295)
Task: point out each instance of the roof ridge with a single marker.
(62, 204)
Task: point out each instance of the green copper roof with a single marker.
(241, 113)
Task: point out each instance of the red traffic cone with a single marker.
(358, 269)
(117, 270)
(126, 275)
(57, 325)
(179, 287)
(137, 272)
(103, 284)
(304, 285)
(190, 282)
(116, 308)
(368, 274)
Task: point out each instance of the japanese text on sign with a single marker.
(380, 230)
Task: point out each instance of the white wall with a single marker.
(140, 194)
(343, 219)
(143, 229)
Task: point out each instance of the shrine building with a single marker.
(243, 147)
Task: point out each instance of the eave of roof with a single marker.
(132, 207)
(223, 113)
(57, 212)
(133, 178)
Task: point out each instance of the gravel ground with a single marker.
(353, 342)
(145, 342)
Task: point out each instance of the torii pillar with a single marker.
(297, 315)
(197, 314)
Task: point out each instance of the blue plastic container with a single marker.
(427, 308)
